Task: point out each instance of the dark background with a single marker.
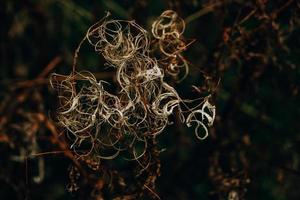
(249, 49)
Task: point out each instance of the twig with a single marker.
(148, 188)
(275, 13)
(40, 79)
(247, 17)
(53, 63)
(202, 12)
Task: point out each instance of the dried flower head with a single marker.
(99, 121)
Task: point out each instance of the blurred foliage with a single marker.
(250, 53)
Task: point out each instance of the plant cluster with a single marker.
(99, 120)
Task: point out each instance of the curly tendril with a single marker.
(105, 124)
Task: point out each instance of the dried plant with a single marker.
(142, 107)
(101, 124)
(98, 121)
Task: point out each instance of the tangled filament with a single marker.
(168, 30)
(105, 124)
